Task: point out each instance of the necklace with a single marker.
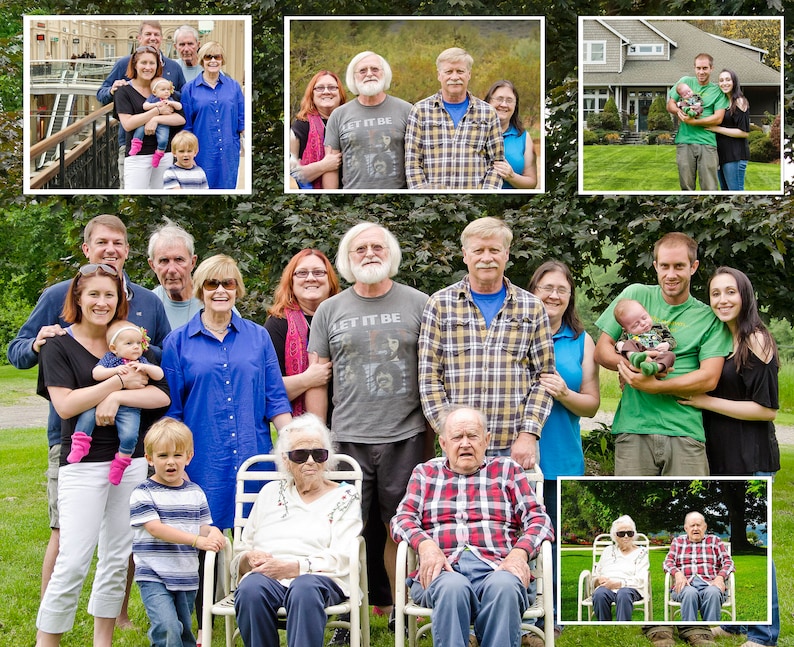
(217, 330)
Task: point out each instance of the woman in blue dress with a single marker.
(519, 170)
(573, 385)
(215, 113)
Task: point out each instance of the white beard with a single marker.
(371, 273)
(372, 88)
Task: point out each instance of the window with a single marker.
(108, 50)
(594, 51)
(594, 100)
(646, 50)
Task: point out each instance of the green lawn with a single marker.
(653, 169)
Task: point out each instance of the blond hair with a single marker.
(166, 432)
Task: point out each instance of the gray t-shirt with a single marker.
(372, 344)
(372, 141)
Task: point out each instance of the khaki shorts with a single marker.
(53, 465)
(658, 455)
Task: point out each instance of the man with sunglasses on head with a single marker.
(150, 34)
(370, 131)
(104, 243)
(384, 431)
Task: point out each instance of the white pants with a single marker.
(139, 174)
(92, 511)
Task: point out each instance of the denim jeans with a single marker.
(762, 634)
(128, 422)
(699, 595)
(731, 175)
(161, 133)
(474, 592)
(169, 615)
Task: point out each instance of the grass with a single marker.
(24, 533)
(17, 385)
(653, 168)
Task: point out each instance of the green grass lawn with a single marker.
(653, 168)
(17, 384)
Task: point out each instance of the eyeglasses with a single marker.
(508, 101)
(549, 289)
(625, 533)
(303, 274)
(209, 57)
(326, 88)
(213, 284)
(361, 250)
(300, 456)
(90, 268)
(363, 71)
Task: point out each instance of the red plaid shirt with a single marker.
(707, 558)
(489, 512)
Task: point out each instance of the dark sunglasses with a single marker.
(300, 456)
(209, 57)
(90, 268)
(625, 533)
(213, 284)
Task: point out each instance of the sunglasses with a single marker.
(214, 284)
(300, 456)
(146, 48)
(90, 268)
(209, 57)
(625, 533)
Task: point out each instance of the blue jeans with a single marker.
(623, 599)
(731, 175)
(161, 133)
(474, 592)
(258, 598)
(128, 422)
(699, 595)
(762, 634)
(169, 615)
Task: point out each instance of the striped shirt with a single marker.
(494, 368)
(184, 507)
(707, 558)
(490, 512)
(439, 155)
(187, 179)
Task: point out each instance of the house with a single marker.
(635, 60)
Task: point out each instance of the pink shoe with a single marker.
(135, 146)
(158, 155)
(81, 443)
(117, 467)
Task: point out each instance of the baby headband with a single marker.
(121, 330)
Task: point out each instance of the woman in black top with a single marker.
(732, 146)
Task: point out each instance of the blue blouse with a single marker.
(217, 117)
(226, 392)
(515, 145)
(560, 441)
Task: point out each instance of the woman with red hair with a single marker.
(308, 160)
(307, 281)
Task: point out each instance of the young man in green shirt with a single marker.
(696, 147)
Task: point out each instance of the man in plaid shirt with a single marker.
(700, 564)
(474, 523)
(484, 343)
(453, 138)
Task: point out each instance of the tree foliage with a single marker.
(658, 117)
(264, 229)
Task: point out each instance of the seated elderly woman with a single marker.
(621, 571)
(285, 557)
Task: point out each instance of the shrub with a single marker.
(589, 137)
(612, 138)
(664, 138)
(762, 150)
(755, 134)
(13, 313)
(610, 118)
(594, 120)
(658, 117)
(774, 134)
(598, 446)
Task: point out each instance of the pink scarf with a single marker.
(315, 149)
(296, 357)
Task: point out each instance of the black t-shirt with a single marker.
(64, 362)
(128, 101)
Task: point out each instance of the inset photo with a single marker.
(692, 552)
(405, 104)
(137, 104)
(680, 105)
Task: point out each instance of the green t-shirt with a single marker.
(700, 335)
(713, 99)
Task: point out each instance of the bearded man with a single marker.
(369, 131)
(384, 430)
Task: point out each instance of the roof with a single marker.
(690, 41)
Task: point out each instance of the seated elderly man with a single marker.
(285, 556)
(699, 564)
(475, 524)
